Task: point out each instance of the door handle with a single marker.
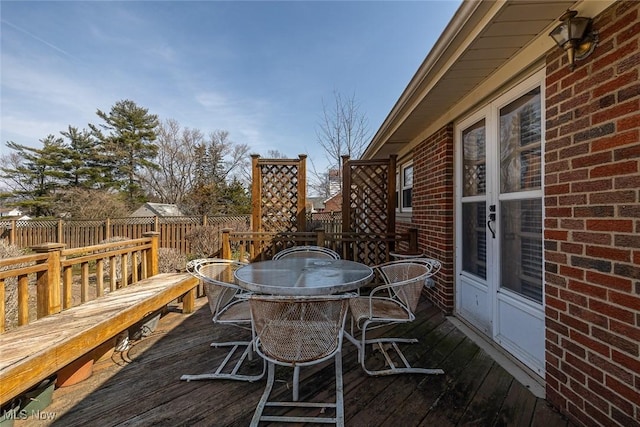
(492, 218)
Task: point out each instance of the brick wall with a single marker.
(432, 210)
(592, 226)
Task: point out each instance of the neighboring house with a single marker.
(157, 209)
(10, 212)
(315, 204)
(334, 203)
(523, 177)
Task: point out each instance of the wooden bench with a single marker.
(32, 353)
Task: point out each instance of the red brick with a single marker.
(575, 273)
(622, 389)
(574, 323)
(625, 300)
(610, 281)
(571, 248)
(608, 253)
(577, 300)
(573, 175)
(581, 363)
(591, 160)
(609, 310)
(617, 225)
(558, 212)
(588, 290)
(626, 123)
(631, 363)
(592, 185)
(572, 199)
(557, 189)
(556, 303)
(614, 169)
(593, 211)
(589, 316)
(615, 340)
(590, 343)
(615, 55)
(627, 182)
(629, 331)
(556, 234)
(572, 224)
(576, 376)
(595, 238)
(629, 152)
(617, 83)
(612, 197)
(619, 139)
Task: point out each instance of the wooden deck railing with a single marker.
(53, 277)
(368, 248)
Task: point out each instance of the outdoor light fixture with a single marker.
(575, 36)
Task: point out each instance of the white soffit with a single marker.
(483, 37)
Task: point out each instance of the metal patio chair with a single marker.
(227, 309)
(393, 302)
(307, 252)
(299, 331)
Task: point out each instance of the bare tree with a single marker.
(188, 160)
(176, 160)
(343, 130)
(88, 203)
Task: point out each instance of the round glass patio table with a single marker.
(303, 276)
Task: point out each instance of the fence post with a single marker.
(320, 236)
(226, 244)
(156, 223)
(204, 221)
(48, 281)
(153, 263)
(60, 236)
(107, 226)
(12, 233)
(413, 240)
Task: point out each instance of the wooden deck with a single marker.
(142, 386)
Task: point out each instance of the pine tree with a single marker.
(129, 145)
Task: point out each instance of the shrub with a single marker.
(171, 260)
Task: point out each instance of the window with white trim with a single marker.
(406, 184)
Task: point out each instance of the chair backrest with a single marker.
(217, 278)
(405, 279)
(307, 252)
(298, 330)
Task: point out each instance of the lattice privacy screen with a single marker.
(369, 203)
(278, 194)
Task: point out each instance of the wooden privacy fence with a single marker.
(174, 232)
(54, 278)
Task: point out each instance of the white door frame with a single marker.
(514, 322)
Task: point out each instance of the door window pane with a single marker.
(521, 247)
(473, 160)
(474, 239)
(520, 144)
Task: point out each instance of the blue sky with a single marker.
(259, 70)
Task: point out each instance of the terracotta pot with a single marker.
(76, 371)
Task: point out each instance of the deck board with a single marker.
(142, 387)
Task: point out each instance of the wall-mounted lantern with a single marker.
(575, 36)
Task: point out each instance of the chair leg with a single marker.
(339, 391)
(257, 415)
(264, 402)
(220, 374)
(382, 344)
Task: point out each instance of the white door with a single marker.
(499, 222)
